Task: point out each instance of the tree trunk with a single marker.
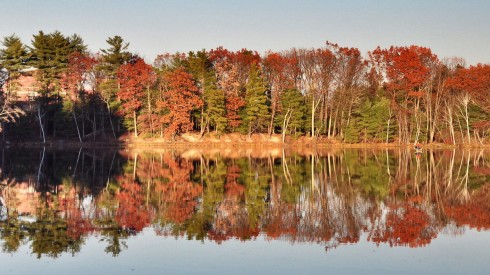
(450, 122)
(313, 117)
(271, 124)
(388, 130)
(76, 124)
(285, 123)
(94, 125)
(110, 119)
(41, 123)
(135, 124)
(149, 109)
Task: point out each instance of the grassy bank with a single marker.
(239, 141)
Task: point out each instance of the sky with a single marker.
(450, 28)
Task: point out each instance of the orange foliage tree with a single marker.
(178, 101)
(135, 78)
(408, 72)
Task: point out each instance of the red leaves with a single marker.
(407, 68)
(134, 79)
(79, 66)
(233, 105)
(474, 80)
(181, 97)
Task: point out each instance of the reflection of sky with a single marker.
(150, 254)
(449, 27)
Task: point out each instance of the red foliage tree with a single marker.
(474, 80)
(135, 77)
(80, 65)
(408, 72)
(276, 69)
(179, 99)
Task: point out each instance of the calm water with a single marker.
(233, 211)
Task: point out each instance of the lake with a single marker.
(244, 211)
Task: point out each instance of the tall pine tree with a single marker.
(256, 111)
(13, 57)
(214, 100)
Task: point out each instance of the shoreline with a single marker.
(229, 141)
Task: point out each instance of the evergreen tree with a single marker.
(199, 65)
(13, 58)
(256, 112)
(114, 56)
(292, 117)
(214, 100)
(50, 54)
(369, 122)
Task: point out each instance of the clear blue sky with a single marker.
(449, 27)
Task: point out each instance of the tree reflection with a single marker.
(53, 201)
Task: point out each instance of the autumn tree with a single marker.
(77, 77)
(178, 101)
(349, 86)
(227, 74)
(472, 85)
(277, 72)
(135, 78)
(408, 72)
(317, 75)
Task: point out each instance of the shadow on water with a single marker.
(54, 200)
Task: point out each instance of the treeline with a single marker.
(398, 94)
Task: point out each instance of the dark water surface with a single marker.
(348, 211)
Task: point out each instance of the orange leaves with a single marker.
(134, 78)
(178, 101)
(233, 105)
(474, 80)
(79, 66)
(406, 68)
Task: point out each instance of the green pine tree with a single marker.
(215, 110)
(13, 58)
(50, 54)
(256, 111)
(114, 56)
(292, 116)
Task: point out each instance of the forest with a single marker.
(397, 95)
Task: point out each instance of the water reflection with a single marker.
(52, 201)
